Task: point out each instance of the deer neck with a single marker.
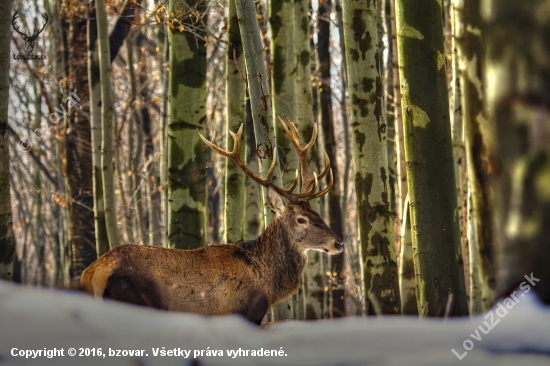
(279, 262)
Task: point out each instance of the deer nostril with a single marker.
(338, 245)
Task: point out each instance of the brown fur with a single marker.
(221, 279)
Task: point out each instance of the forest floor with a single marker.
(33, 319)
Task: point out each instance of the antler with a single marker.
(307, 189)
(292, 133)
(15, 26)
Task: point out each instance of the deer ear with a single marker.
(275, 201)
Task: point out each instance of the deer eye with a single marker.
(301, 221)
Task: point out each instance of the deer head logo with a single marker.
(29, 39)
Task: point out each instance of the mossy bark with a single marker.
(517, 80)
(283, 80)
(469, 40)
(368, 124)
(429, 158)
(186, 119)
(235, 89)
(107, 124)
(7, 239)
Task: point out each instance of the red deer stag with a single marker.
(245, 278)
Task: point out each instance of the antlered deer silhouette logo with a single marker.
(29, 39)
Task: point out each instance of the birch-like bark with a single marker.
(378, 261)
(107, 121)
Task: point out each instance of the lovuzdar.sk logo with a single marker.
(29, 39)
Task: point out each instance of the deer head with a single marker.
(29, 39)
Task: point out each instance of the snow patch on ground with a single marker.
(34, 319)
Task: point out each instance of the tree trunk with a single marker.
(406, 266)
(260, 102)
(107, 124)
(283, 80)
(377, 249)
(79, 174)
(327, 123)
(236, 115)
(517, 70)
(478, 144)
(186, 119)
(311, 297)
(7, 240)
(102, 240)
(429, 158)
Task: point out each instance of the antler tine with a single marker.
(327, 166)
(294, 139)
(236, 157)
(324, 191)
(215, 146)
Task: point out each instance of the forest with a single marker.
(419, 131)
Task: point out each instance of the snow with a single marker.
(34, 319)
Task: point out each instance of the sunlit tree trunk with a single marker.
(186, 119)
(107, 122)
(235, 70)
(368, 124)
(517, 80)
(102, 241)
(7, 240)
(469, 37)
(406, 266)
(429, 158)
(260, 102)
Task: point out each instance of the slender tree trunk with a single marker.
(102, 240)
(253, 199)
(186, 119)
(517, 70)
(260, 102)
(378, 259)
(406, 266)
(310, 299)
(236, 115)
(7, 240)
(428, 151)
(135, 135)
(478, 142)
(107, 122)
(327, 123)
(283, 80)
(79, 177)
